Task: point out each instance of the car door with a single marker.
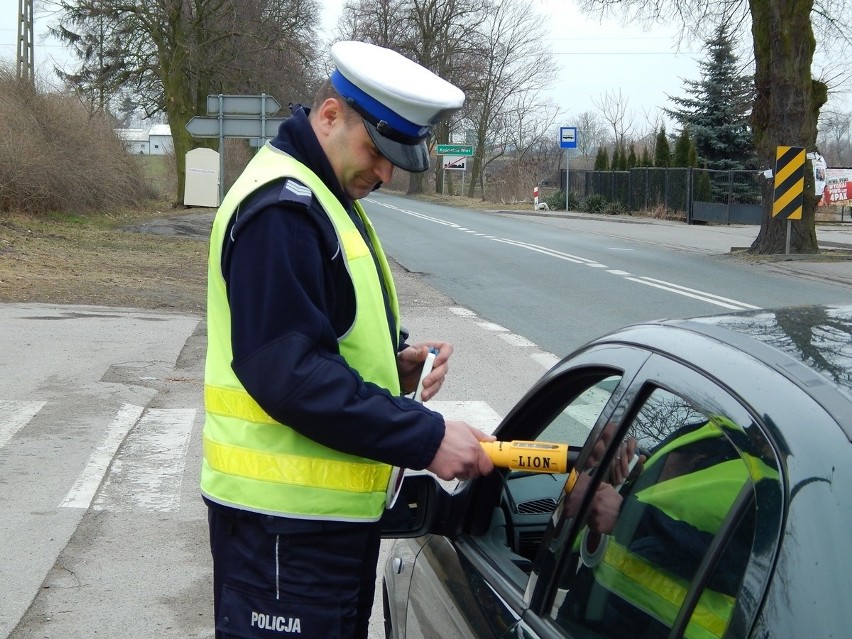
(472, 584)
(683, 547)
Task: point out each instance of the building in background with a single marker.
(160, 140)
(135, 140)
(154, 141)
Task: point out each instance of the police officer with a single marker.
(307, 366)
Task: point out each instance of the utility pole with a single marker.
(25, 41)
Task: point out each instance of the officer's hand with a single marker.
(409, 362)
(460, 455)
(604, 510)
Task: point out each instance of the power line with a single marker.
(631, 53)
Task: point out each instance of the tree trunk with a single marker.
(475, 173)
(786, 109)
(415, 183)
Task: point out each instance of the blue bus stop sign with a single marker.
(568, 137)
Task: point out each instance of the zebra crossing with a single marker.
(139, 463)
(14, 415)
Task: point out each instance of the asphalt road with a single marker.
(561, 280)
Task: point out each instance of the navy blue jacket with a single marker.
(291, 298)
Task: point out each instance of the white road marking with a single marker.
(516, 340)
(568, 257)
(14, 415)
(84, 489)
(491, 326)
(677, 289)
(147, 472)
(461, 311)
(548, 360)
(476, 413)
(710, 298)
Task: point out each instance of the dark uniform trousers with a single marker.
(281, 577)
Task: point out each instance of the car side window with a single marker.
(574, 423)
(527, 498)
(668, 546)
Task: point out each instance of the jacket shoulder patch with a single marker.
(295, 192)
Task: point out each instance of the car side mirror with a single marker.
(420, 509)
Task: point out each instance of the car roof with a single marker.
(818, 336)
(810, 345)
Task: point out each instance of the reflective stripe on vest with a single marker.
(253, 462)
(701, 498)
(660, 594)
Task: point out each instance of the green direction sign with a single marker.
(455, 149)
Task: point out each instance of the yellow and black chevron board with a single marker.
(789, 182)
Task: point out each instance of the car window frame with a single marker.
(684, 380)
(565, 379)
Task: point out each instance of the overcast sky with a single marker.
(593, 57)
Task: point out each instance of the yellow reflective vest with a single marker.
(253, 462)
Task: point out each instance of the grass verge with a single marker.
(91, 259)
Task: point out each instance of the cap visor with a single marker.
(413, 158)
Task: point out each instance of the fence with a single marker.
(675, 190)
(700, 195)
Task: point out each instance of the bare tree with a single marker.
(170, 54)
(591, 133)
(834, 140)
(613, 106)
(524, 130)
(788, 98)
(381, 22)
(511, 69)
(434, 33)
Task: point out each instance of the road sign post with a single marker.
(789, 187)
(455, 156)
(567, 140)
(235, 116)
(568, 137)
(454, 149)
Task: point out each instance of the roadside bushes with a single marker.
(56, 156)
(594, 204)
(555, 201)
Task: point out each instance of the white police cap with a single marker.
(398, 99)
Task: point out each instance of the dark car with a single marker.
(734, 521)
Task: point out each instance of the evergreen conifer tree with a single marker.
(662, 154)
(679, 177)
(622, 160)
(601, 159)
(682, 147)
(717, 108)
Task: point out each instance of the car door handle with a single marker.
(398, 565)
